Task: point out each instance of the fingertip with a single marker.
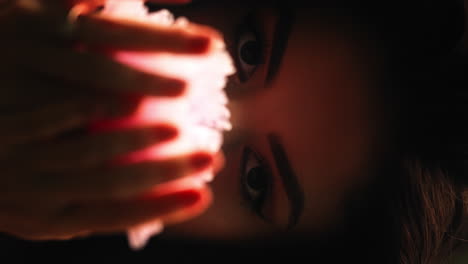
(170, 202)
(206, 197)
(199, 207)
(187, 198)
(219, 162)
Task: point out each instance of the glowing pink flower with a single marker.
(200, 114)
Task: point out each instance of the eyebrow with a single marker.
(289, 180)
(281, 35)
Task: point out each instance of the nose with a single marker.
(239, 130)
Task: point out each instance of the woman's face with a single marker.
(304, 124)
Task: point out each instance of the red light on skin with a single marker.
(152, 111)
(155, 111)
(200, 113)
(138, 236)
(146, 113)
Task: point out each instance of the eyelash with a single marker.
(250, 24)
(255, 204)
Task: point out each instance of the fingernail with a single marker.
(201, 161)
(186, 198)
(164, 133)
(199, 44)
(172, 201)
(178, 199)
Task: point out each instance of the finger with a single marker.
(68, 20)
(219, 162)
(48, 121)
(197, 209)
(26, 90)
(92, 151)
(27, 222)
(92, 71)
(97, 184)
(128, 181)
(105, 216)
(118, 216)
(54, 115)
(98, 31)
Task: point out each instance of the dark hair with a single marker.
(417, 211)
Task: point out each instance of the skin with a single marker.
(56, 179)
(322, 107)
(329, 147)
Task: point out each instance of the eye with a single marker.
(249, 52)
(255, 180)
(250, 48)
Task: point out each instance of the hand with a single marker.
(55, 181)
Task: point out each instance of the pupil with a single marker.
(250, 53)
(256, 179)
